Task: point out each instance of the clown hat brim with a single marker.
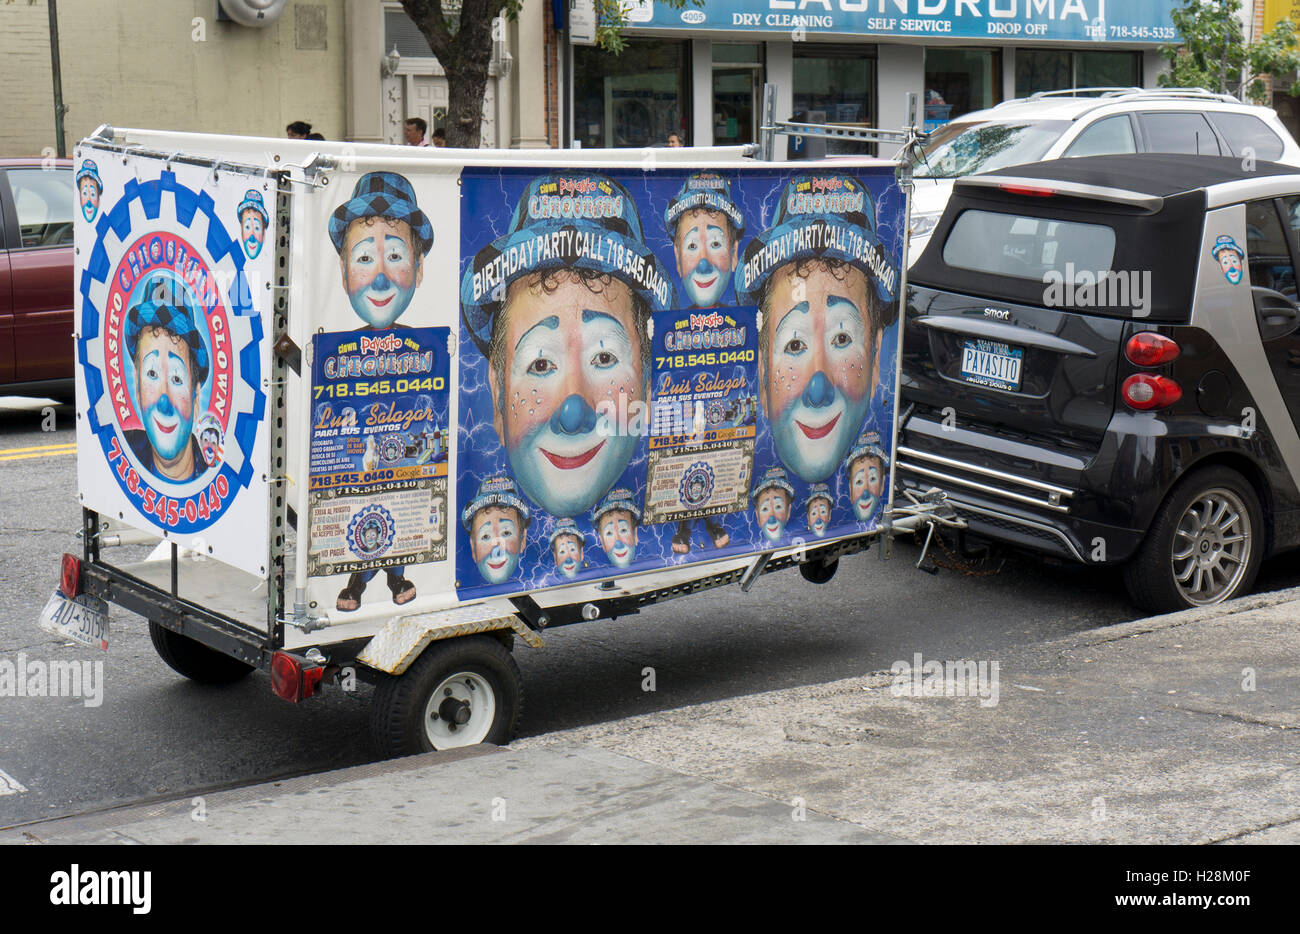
(384, 199)
(502, 498)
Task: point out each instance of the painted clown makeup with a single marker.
(565, 352)
(617, 531)
(165, 392)
(251, 228)
(381, 269)
(819, 516)
(1230, 263)
(567, 552)
(866, 485)
(89, 192)
(772, 510)
(706, 256)
(496, 541)
(820, 366)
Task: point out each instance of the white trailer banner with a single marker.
(173, 329)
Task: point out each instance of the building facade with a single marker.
(185, 65)
(700, 70)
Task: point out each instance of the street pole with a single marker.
(60, 148)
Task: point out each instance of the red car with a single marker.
(37, 205)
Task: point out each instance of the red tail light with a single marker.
(1150, 391)
(1030, 190)
(70, 576)
(292, 678)
(1147, 348)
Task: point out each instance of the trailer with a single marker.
(378, 411)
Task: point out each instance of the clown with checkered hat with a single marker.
(867, 467)
(497, 521)
(706, 225)
(772, 497)
(89, 188)
(616, 520)
(568, 543)
(166, 346)
(818, 508)
(382, 237)
(253, 222)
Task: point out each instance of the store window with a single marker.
(1062, 69)
(834, 84)
(958, 81)
(633, 99)
(737, 92)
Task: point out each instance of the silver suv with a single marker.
(1090, 122)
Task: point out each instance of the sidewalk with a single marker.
(1138, 733)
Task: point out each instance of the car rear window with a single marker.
(1246, 130)
(1028, 247)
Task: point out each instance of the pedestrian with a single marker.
(299, 129)
(415, 129)
(440, 137)
(675, 140)
(315, 136)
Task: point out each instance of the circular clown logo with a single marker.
(714, 413)
(392, 449)
(169, 345)
(696, 486)
(370, 533)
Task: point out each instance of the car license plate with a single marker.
(83, 619)
(991, 363)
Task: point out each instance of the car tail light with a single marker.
(293, 678)
(1147, 348)
(1033, 191)
(1150, 391)
(70, 576)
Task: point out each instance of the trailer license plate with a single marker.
(991, 363)
(83, 619)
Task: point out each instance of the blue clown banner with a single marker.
(667, 367)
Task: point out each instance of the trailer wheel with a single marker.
(195, 660)
(819, 572)
(460, 692)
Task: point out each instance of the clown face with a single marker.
(252, 229)
(496, 540)
(617, 533)
(772, 510)
(381, 266)
(89, 195)
(165, 389)
(567, 551)
(866, 484)
(820, 366)
(564, 353)
(1230, 263)
(209, 443)
(819, 516)
(706, 255)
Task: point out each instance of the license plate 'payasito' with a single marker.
(991, 363)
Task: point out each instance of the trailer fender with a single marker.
(402, 639)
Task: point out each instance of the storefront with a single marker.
(699, 71)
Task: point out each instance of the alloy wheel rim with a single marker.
(1212, 547)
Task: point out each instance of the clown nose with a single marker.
(704, 268)
(380, 283)
(819, 391)
(164, 404)
(573, 417)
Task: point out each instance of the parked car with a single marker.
(37, 206)
(1101, 361)
(1089, 122)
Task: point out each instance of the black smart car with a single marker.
(1101, 361)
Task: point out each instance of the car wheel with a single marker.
(195, 660)
(1204, 547)
(459, 692)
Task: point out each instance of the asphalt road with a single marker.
(156, 734)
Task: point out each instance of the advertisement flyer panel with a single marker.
(670, 366)
(380, 352)
(173, 314)
(378, 461)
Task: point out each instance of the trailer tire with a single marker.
(195, 660)
(459, 692)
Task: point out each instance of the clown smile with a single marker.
(772, 525)
(166, 427)
(381, 302)
(705, 283)
(496, 565)
(821, 431)
(618, 551)
(573, 462)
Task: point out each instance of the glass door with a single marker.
(735, 105)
